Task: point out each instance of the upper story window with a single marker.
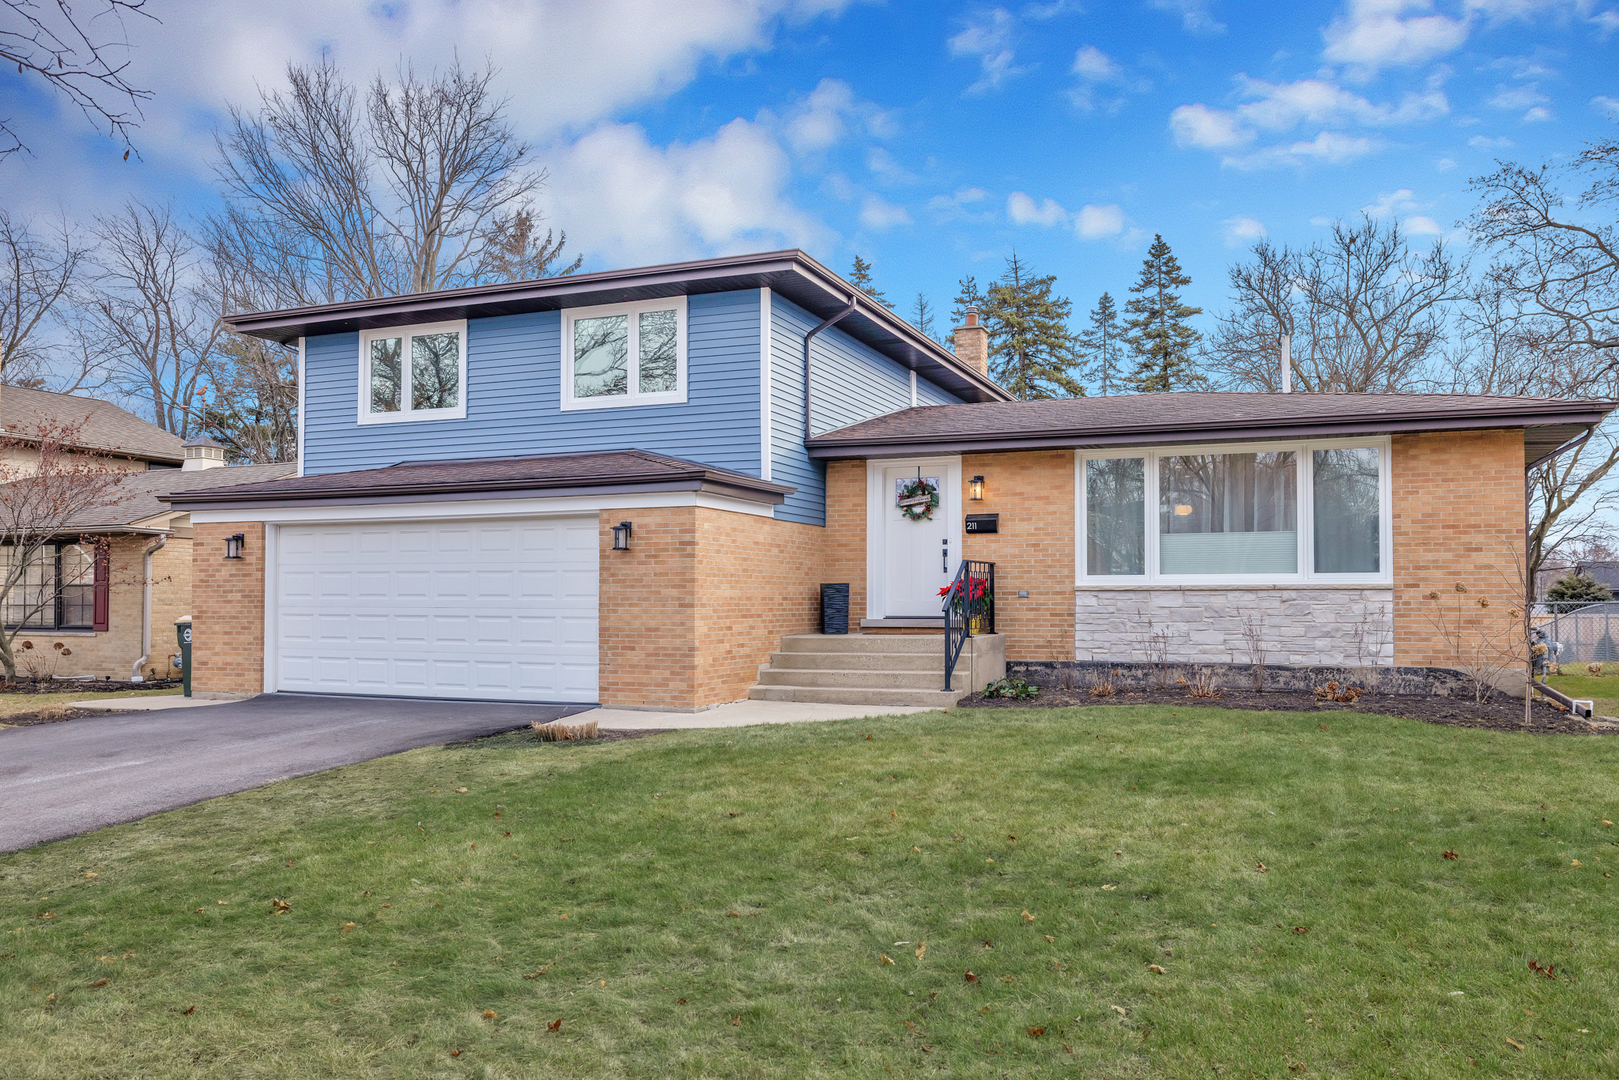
(624, 354)
(413, 373)
(1262, 513)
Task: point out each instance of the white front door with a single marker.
(497, 610)
(921, 543)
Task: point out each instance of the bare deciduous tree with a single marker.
(1558, 255)
(76, 50)
(43, 508)
(415, 185)
(154, 323)
(1364, 310)
(36, 275)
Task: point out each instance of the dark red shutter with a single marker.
(103, 587)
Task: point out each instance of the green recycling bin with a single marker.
(182, 631)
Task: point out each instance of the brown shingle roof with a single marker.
(101, 424)
(140, 494)
(1194, 417)
(550, 475)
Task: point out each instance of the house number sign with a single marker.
(983, 523)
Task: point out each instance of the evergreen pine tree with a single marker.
(1031, 349)
(922, 316)
(860, 278)
(968, 295)
(1159, 336)
(1102, 345)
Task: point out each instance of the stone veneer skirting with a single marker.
(1300, 625)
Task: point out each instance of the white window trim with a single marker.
(1306, 515)
(634, 398)
(407, 415)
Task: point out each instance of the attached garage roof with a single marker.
(791, 273)
(552, 475)
(1137, 419)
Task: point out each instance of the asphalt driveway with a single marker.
(63, 779)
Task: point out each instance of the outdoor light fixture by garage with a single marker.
(975, 489)
(621, 536)
(233, 546)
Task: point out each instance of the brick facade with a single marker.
(227, 602)
(1458, 519)
(1034, 550)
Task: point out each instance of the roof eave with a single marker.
(823, 447)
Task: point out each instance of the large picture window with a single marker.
(1299, 512)
(57, 589)
(413, 373)
(625, 354)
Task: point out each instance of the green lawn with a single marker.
(721, 904)
(17, 704)
(1603, 690)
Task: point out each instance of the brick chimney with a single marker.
(972, 343)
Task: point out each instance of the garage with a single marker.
(495, 610)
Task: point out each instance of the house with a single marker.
(112, 616)
(627, 488)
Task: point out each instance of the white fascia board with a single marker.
(480, 508)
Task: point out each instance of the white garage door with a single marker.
(502, 610)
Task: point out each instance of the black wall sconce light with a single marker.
(621, 536)
(233, 546)
(975, 489)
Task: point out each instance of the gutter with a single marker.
(146, 608)
(836, 317)
(762, 492)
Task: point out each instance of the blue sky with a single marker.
(930, 138)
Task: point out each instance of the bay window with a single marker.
(1262, 513)
(624, 354)
(413, 373)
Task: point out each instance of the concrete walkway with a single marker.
(155, 702)
(736, 714)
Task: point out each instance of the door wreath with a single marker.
(918, 499)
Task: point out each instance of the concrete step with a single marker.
(875, 680)
(860, 661)
(932, 699)
(890, 643)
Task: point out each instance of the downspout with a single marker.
(146, 607)
(1528, 578)
(853, 303)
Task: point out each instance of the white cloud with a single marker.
(1241, 231)
(1375, 34)
(630, 202)
(1327, 148)
(1208, 129)
(1538, 115)
(1604, 104)
(880, 215)
(1445, 164)
(989, 36)
(964, 204)
(1096, 222)
(886, 168)
(1423, 225)
(1196, 16)
(831, 111)
(1094, 65)
(1024, 211)
(1517, 97)
(1484, 142)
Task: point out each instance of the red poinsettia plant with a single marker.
(977, 591)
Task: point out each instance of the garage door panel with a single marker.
(375, 609)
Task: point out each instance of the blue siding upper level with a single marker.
(514, 395)
(852, 382)
(514, 392)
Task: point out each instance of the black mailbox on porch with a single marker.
(983, 523)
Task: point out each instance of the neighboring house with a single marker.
(114, 617)
(465, 457)
(118, 438)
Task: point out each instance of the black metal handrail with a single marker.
(969, 608)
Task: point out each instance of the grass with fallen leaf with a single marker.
(754, 902)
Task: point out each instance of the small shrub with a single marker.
(1103, 686)
(1203, 685)
(1594, 669)
(1011, 687)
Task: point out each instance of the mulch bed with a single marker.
(45, 716)
(81, 686)
(1500, 713)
